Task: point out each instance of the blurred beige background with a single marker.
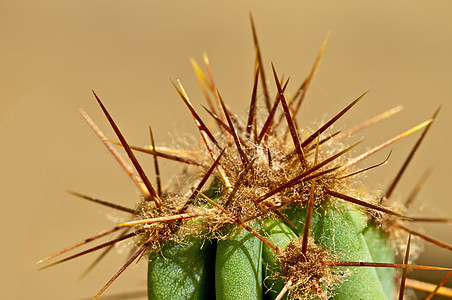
(52, 53)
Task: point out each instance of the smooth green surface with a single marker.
(182, 271)
(340, 229)
(380, 248)
(279, 234)
(238, 267)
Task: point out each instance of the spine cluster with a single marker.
(274, 210)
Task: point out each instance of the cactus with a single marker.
(272, 211)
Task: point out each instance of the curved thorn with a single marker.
(367, 169)
(383, 145)
(368, 123)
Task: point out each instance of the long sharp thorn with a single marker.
(213, 86)
(160, 219)
(364, 203)
(383, 265)
(410, 157)
(426, 238)
(255, 131)
(290, 122)
(235, 120)
(201, 184)
(125, 295)
(217, 119)
(112, 205)
(268, 122)
(261, 64)
(122, 269)
(252, 109)
(122, 162)
(199, 123)
(162, 154)
(304, 87)
(331, 121)
(101, 256)
(383, 145)
(242, 155)
(203, 131)
(405, 261)
(291, 103)
(224, 125)
(418, 187)
(156, 164)
(91, 250)
(129, 152)
(368, 123)
(432, 220)
(428, 287)
(436, 290)
(85, 241)
(175, 151)
(302, 176)
(203, 81)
